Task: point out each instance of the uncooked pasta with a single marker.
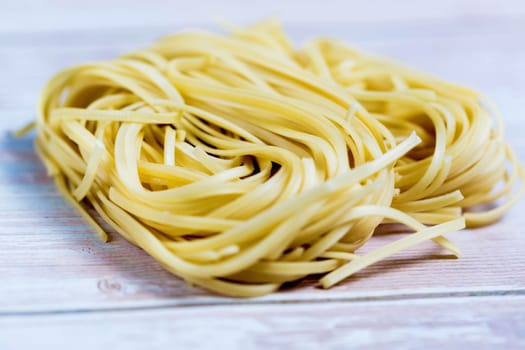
(240, 163)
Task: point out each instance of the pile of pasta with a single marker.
(240, 163)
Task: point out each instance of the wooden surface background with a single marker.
(60, 287)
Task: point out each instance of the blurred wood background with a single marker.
(60, 287)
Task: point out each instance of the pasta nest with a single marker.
(240, 163)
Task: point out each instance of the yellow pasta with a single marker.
(240, 163)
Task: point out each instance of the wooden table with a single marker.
(60, 286)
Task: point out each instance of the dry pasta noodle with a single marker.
(240, 163)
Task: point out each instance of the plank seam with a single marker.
(255, 302)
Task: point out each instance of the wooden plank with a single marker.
(69, 268)
(481, 29)
(452, 323)
(20, 16)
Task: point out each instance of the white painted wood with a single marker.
(57, 278)
(450, 323)
(33, 16)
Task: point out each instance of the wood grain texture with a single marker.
(56, 276)
(451, 323)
